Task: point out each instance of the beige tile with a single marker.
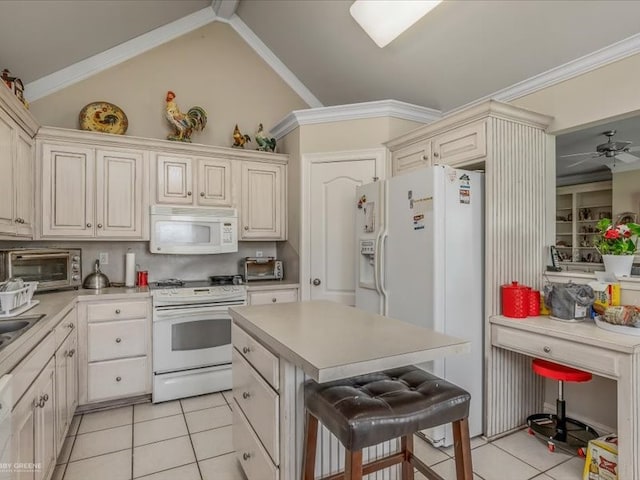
(447, 470)
(531, 450)
(570, 470)
(65, 452)
(475, 443)
(492, 463)
(58, 472)
(212, 443)
(101, 442)
(73, 428)
(159, 429)
(224, 467)
(186, 472)
(209, 418)
(203, 401)
(150, 411)
(106, 419)
(160, 456)
(112, 466)
(427, 453)
(542, 476)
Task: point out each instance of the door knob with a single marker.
(316, 281)
(118, 379)
(118, 340)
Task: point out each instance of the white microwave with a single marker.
(189, 230)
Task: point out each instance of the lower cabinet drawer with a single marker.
(118, 378)
(593, 359)
(110, 340)
(273, 296)
(259, 403)
(250, 454)
(265, 362)
(98, 312)
(66, 326)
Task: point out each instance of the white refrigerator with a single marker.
(420, 241)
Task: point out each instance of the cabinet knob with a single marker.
(46, 397)
(99, 225)
(118, 379)
(118, 340)
(189, 193)
(245, 350)
(436, 154)
(70, 326)
(425, 157)
(274, 300)
(246, 395)
(72, 352)
(88, 225)
(117, 311)
(246, 456)
(40, 403)
(547, 349)
(246, 227)
(202, 194)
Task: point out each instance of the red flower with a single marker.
(611, 234)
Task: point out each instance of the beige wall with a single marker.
(626, 192)
(211, 67)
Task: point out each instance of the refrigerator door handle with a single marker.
(380, 267)
(376, 278)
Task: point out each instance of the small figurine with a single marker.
(184, 124)
(239, 139)
(265, 144)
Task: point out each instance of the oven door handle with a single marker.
(39, 256)
(190, 315)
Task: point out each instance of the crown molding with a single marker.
(90, 66)
(17, 111)
(587, 63)
(355, 111)
(270, 58)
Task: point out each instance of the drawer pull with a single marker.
(45, 397)
(246, 395)
(70, 326)
(72, 352)
(246, 456)
(274, 300)
(118, 379)
(245, 350)
(117, 311)
(547, 349)
(118, 340)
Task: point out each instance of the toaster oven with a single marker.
(263, 268)
(52, 268)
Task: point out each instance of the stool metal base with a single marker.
(575, 437)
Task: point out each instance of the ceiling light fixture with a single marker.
(384, 20)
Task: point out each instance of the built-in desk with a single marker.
(587, 347)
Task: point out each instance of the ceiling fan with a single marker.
(617, 150)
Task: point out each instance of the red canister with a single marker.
(515, 300)
(534, 303)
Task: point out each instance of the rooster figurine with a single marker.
(265, 144)
(239, 139)
(184, 124)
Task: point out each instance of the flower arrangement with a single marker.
(619, 239)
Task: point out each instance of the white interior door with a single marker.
(332, 229)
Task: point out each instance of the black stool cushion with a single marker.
(369, 409)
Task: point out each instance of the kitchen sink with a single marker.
(10, 329)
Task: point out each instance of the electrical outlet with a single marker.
(259, 253)
(104, 258)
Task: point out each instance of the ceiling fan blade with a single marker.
(633, 149)
(580, 162)
(626, 157)
(577, 154)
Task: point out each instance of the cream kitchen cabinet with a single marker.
(16, 181)
(276, 295)
(92, 193)
(411, 157)
(66, 365)
(192, 180)
(263, 200)
(115, 345)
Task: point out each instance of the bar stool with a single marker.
(369, 409)
(558, 429)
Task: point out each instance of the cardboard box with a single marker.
(602, 459)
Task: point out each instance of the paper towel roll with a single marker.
(130, 269)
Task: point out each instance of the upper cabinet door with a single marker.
(214, 182)
(120, 202)
(461, 145)
(411, 157)
(263, 202)
(67, 191)
(174, 183)
(6, 178)
(23, 174)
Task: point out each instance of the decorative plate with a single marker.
(103, 117)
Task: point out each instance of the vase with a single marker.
(619, 265)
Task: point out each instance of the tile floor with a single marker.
(191, 439)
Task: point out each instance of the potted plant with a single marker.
(617, 244)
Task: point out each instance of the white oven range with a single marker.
(192, 336)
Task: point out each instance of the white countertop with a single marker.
(330, 341)
(55, 305)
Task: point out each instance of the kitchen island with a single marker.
(278, 347)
